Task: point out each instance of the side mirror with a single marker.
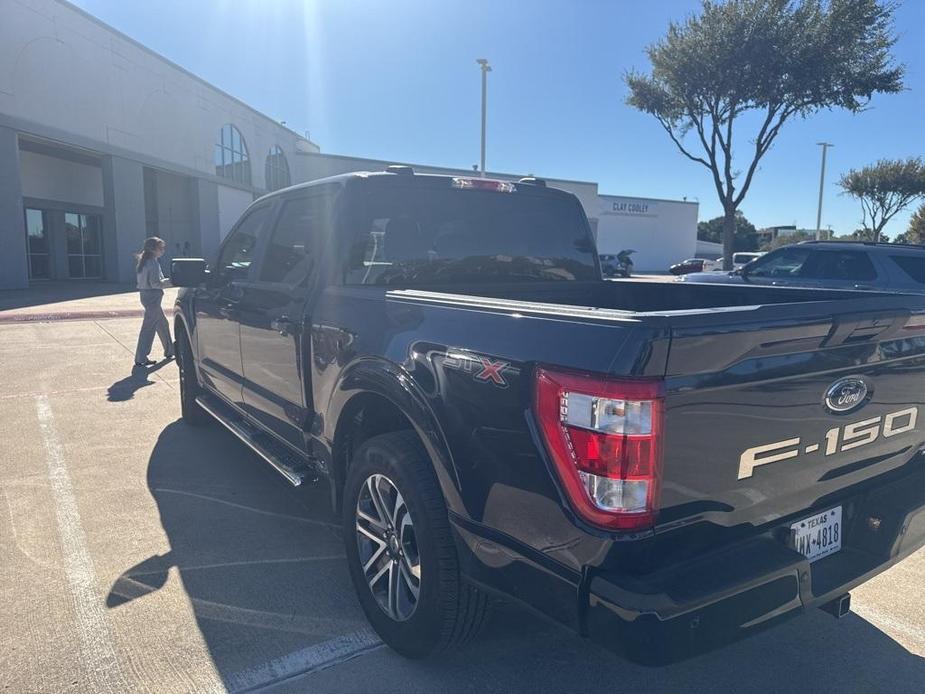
(187, 272)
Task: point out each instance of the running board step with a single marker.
(285, 461)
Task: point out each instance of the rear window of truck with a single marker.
(426, 234)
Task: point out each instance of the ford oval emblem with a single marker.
(846, 394)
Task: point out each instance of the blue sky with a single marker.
(398, 80)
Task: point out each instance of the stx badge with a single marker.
(481, 368)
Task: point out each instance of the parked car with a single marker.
(742, 258)
(831, 264)
(694, 265)
(493, 418)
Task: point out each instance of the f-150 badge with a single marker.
(837, 440)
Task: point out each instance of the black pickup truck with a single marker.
(662, 467)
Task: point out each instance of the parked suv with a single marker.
(493, 418)
(831, 264)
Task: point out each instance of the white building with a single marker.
(662, 232)
(104, 142)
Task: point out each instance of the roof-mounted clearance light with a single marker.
(483, 184)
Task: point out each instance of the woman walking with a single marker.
(151, 283)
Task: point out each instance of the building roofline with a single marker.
(188, 73)
(448, 169)
(646, 197)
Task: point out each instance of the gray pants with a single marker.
(154, 322)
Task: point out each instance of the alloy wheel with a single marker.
(388, 547)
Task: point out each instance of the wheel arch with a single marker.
(375, 396)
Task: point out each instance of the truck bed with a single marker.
(647, 296)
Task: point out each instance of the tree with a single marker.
(787, 240)
(761, 63)
(916, 232)
(859, 235)
(746, 236)
(884, 189)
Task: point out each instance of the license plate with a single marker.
(818, 536)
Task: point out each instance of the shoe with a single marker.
(168, 357)
(145, 363)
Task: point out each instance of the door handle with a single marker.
(229, 312)
(864, 286)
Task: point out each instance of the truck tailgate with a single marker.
(750, 435)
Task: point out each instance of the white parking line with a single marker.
(98, 654)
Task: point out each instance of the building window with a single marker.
(37, 244)
(231, 159)
(84, 247)
(277, 170)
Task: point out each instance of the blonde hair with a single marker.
(152, 243)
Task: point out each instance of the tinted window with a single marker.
(415, 234)
(786, 262)
(912, 265)
(294, 242)
(238, 251)
(849, 266)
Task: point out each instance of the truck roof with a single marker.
(536, 185)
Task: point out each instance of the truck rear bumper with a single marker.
(745, 588)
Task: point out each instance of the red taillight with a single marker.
(605, 438)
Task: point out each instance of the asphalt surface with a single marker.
(140, 554)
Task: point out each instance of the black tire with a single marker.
(448, 611)
(190, 389)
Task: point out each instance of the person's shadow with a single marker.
(125, 388)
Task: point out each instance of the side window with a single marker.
(912, 265)
(238, 252)
(787, 262)
(848, 266)
(294, 243)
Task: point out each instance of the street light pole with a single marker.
(486, 68)
(825, 146)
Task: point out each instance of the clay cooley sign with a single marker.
(630, 207)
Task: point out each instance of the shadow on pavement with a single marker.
(41, 293)
(261, 562)
(262, 565)
(125, 388)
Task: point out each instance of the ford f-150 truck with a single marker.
(661, 467)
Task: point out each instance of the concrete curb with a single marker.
(12, 317)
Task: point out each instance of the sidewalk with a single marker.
(53, 301)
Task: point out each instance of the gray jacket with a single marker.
(151, 276)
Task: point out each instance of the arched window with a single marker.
(231, 159)
(277, 171)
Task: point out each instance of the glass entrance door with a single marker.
(84, 247)
(37, 245)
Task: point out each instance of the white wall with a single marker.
(50, 178)
(231, 203)
(662, 232)
(62, 69)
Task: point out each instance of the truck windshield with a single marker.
(424, 234)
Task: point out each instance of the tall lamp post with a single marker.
(486, 68)
(825, 146)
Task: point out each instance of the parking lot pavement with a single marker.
(141, 554)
